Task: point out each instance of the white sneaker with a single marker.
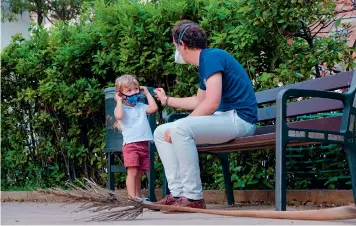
(143, 199)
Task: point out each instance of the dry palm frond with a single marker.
(111, 207)
(106, 203)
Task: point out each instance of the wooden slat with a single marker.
(330, 124)
(310, 106)
(338, 81)
(267, 139)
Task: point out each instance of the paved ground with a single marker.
(32, 213)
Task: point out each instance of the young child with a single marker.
(136, 131)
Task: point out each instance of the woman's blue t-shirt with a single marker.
(237, 89)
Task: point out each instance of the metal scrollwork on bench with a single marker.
(335, 137)
(315, 135)
(352, 123)
(293, 133)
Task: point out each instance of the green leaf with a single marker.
(243, 9)
(297, 74)
(240, 184)
(252, 182)
(280, 21)
(337, 22)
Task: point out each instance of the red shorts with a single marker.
(137, 154)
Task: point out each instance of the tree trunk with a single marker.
(39, 18)
(33, 144)
(311, 45)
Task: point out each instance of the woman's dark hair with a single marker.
(191, 34)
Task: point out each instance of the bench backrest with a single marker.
(309, 106)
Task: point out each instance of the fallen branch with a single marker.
(112, 207)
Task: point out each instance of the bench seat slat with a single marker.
(265, 141)
(266, 137)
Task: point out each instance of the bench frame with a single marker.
(340, 130)
(277, 136)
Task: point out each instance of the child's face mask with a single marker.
(132, 99)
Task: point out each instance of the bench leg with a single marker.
(280, 184)
(165, 189)
(151, 175)
(227, 178)
(111, 176)
(351, 154)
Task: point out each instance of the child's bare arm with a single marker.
(152, 105)
(119, 111)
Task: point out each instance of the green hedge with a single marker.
(52, 112)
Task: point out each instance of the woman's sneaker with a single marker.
(167, 200)
(184, 202)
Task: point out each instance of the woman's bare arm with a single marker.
(186, 103)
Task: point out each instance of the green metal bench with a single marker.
(339, 130)
(114, 141)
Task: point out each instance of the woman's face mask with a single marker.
(178, 58)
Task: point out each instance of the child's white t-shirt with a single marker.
(135, 126)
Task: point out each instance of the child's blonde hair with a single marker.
(125, 81)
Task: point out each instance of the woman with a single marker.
(224, 108)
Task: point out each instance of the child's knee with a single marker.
(132, 172)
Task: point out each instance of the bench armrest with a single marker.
(285, 94)
(175, 116)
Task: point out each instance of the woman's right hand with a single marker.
(161, 95)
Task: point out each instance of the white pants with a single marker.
(180, 159)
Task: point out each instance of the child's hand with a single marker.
(144, 90)
(118, 97)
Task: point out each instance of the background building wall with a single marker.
(9, 29)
